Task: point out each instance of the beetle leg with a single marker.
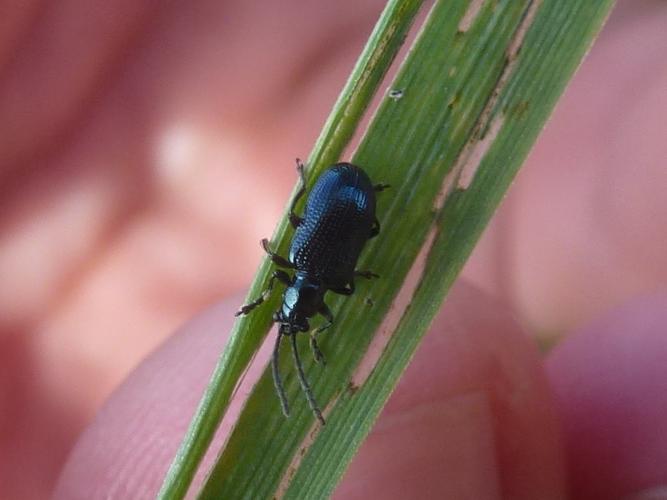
(281, 276)
(346, 290)
(366, 274)
(275, 258)
(375, 230)
(304, 383)
(317, 354)
(295, 219)
(381, 187)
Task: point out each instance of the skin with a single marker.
(475, 415)
(130, 138)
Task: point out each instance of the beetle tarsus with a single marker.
(317, 353)
(281, 276)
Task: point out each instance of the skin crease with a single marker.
(131, 135)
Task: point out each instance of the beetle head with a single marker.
(302, 300)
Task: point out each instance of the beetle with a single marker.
(338, 220)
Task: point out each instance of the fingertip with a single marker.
(126, 450)
(471, 412)
(471, 418)
(609, 383)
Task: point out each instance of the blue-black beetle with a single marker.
(338, 220)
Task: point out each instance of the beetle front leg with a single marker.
(317, 354)
(295, 219)
(281, 276)
(275, 258)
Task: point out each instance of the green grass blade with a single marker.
(519, 95)
(470, 99)
(249, 332)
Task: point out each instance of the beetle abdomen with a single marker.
(337, 221)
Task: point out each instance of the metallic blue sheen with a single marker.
(337, 222)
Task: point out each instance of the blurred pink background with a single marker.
(146, 148)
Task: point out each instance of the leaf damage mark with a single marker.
(488, 124)
(395, 94)
(477, 154)
(307, 442)
(520, 34)
(470, 15)
(396, 312)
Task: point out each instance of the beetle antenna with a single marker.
(304, 383)
(277, 381)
